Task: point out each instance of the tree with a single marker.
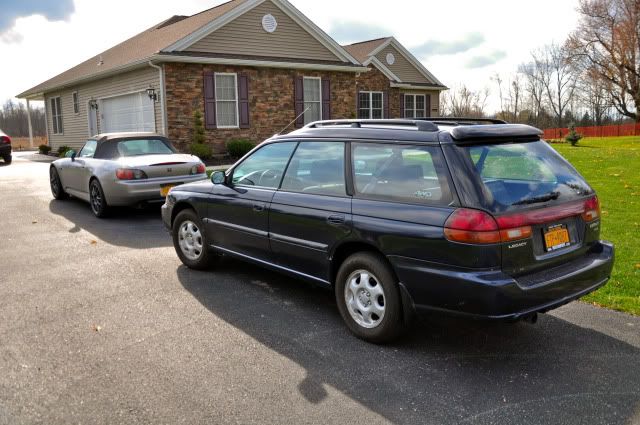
(13, 120)
(534, 87)
(463, 102)
(608, 37)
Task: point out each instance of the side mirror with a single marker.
(71, 154)
(218, 177)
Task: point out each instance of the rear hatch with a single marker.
(548, 212)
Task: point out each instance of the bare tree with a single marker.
(534, 87)
(13, 120)
(608, 36)
(463, 102)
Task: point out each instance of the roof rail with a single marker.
(421, 125)
(462, 121)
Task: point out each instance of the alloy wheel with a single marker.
(190, 240)
(365, 298)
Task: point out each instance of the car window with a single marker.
(317, 167)
(265, 167)
(402, 173)
(134, 147)
(88, 150)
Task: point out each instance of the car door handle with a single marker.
(258, 207)
(336, 220)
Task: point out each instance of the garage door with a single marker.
(132, 112)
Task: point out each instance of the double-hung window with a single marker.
(56, 115)
(312, 99)
(370, 105)
(414, 106)
(226, 100)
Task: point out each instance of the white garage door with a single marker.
(132, 112)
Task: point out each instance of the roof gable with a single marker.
(245, 35)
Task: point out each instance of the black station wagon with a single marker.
(478, 219)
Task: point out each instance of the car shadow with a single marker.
(138, 228)
(444, 370)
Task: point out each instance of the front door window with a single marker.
(265, 167)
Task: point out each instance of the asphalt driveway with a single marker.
(100, 323)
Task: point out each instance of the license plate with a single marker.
(164, 189)
(556, 237)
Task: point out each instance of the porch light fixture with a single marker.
(93, 104)
(152, 94)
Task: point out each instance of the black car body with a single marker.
(484, 221)
(5, 147)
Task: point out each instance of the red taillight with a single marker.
(130, 174)
(591, 209)
(5, 140)
(201, 168)
(471, 226)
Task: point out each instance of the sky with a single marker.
(459, 41)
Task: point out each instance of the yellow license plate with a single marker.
(556, 238)
(164, 190)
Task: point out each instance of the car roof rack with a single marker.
(420, 125)
(462, 121)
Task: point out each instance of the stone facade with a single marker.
(271, 99)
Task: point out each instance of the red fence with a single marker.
(602, 131)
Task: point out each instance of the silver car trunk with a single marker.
(161, 165)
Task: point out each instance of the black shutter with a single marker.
(401, 105)
(209, 101)
(298, 100)
(326, 99)
(385, 101)
(243, 100)
(357, 103)
(427, 104)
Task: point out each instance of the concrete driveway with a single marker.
(100, 323)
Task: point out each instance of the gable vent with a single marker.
(269, 23)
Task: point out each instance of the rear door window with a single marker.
(318, 168)
(517, 175)
(401, 173)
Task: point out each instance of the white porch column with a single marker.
(29, 123)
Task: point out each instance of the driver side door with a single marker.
(238, 212)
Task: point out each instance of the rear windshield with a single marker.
(519, 175)
(134, 147)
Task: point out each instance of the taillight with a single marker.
(5, 140)
(198, 169)
(591, 209)
(130, 174)
(479, 227)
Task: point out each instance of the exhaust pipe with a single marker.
(532, 318)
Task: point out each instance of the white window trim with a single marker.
(414, 109)
(304, 101)
(75, 99)
(371, 108)
(54, 115)
(235, 77)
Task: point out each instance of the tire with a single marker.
(189, 241)
(56, 185)
(7, 159)
(372, 310)
(97, 200)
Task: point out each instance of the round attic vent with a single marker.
(391, 59)
(269, 23)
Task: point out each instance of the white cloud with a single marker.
(39, 49)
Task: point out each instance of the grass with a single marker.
(612, 167)
(22, 143)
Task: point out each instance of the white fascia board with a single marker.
(386, 71)
(259, 63)
(414, 61)
(212, 26)
(408, 86)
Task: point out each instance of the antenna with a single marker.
(294, 120)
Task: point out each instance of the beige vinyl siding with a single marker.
(76, 126)
(402, 68)
(245, 36)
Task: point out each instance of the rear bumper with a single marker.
(495, 295)
(131, 192)
(5, 149)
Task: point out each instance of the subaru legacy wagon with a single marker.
(483, 220)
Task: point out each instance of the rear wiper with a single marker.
(538, 199)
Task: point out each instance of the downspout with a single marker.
(163, 101)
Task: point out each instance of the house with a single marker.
(251, 67)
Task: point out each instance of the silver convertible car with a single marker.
(121, 169)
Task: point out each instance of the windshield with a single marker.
(135, 147)
(517, 175)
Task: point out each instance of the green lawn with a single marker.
(612, 167)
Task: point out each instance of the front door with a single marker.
(311, 212)
(93, 121)
(238, 213)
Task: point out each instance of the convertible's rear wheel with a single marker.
(368, 298)
(7, 159)
(190, 242)
(97, 199)
(56, 185)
